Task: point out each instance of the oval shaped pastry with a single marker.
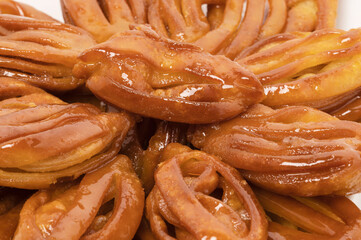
(321, 69)
(43, 139)
(224, 29)
(326, 218)
(21, 9)
(106, 204)
(293, 150)
(185, 199)
(159, 78)
(104, 18)
(41, 52)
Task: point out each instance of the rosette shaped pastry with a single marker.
(159, 78)
(104, 18)
(146, 160)
(197, 196)
(41, 52)
(321, 70)
(106, 204)
(326, 218)
(294, 151)
(44, 140)
(223, 30)
(21, 9)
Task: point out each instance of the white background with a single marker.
(349, 16)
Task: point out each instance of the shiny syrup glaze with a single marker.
(310, 70)
(43, 139)
(151, 76)
(41, 52)
(293, 150)
(332, 218)
(70, 212)
(182, 196)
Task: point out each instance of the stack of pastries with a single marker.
(179, 119)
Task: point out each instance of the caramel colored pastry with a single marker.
(44, 140)
(11, 202)
(159, 78)
(146, 160)
(326, 218)
(223, 30)
(350, 111)
(41, 52)
(107, 204)
(197, 196)
(321, 70)
(21, 9)
(184, 21)
(293, 150)
(104, 18)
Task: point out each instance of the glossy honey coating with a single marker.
(22, 9)
(350, 110)
(293, 150)
(41, 52)
(159, 78)
(182, 201)
(104, 18)
(106, 204)
(326, 218)
(224, 29)
(43, 139)
(321, 69)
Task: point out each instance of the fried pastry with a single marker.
(21, 9)
(44, 140)
(159, 78)
(294, 150)
(185, 198)
(320, 70)
(11, 202)
(41, 52)
(107, 204)
(145, 161)
(104, 18)
(350, 111)
(223, 30)
(326, 218)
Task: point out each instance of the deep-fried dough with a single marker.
(182, 197)
(159, 78)
(44, 139)
(293, 150)
(326, 218)
(11, 202)
(104, 18)
(146, 161)
(223, 30)
(41, 52)
(319, 70)
(21, 9)
(85, 210)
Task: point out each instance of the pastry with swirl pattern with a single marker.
(143, 73)
(293, 150)
(44, 140)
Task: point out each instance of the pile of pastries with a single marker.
(179, 119)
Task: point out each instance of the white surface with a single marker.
(349, 16)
